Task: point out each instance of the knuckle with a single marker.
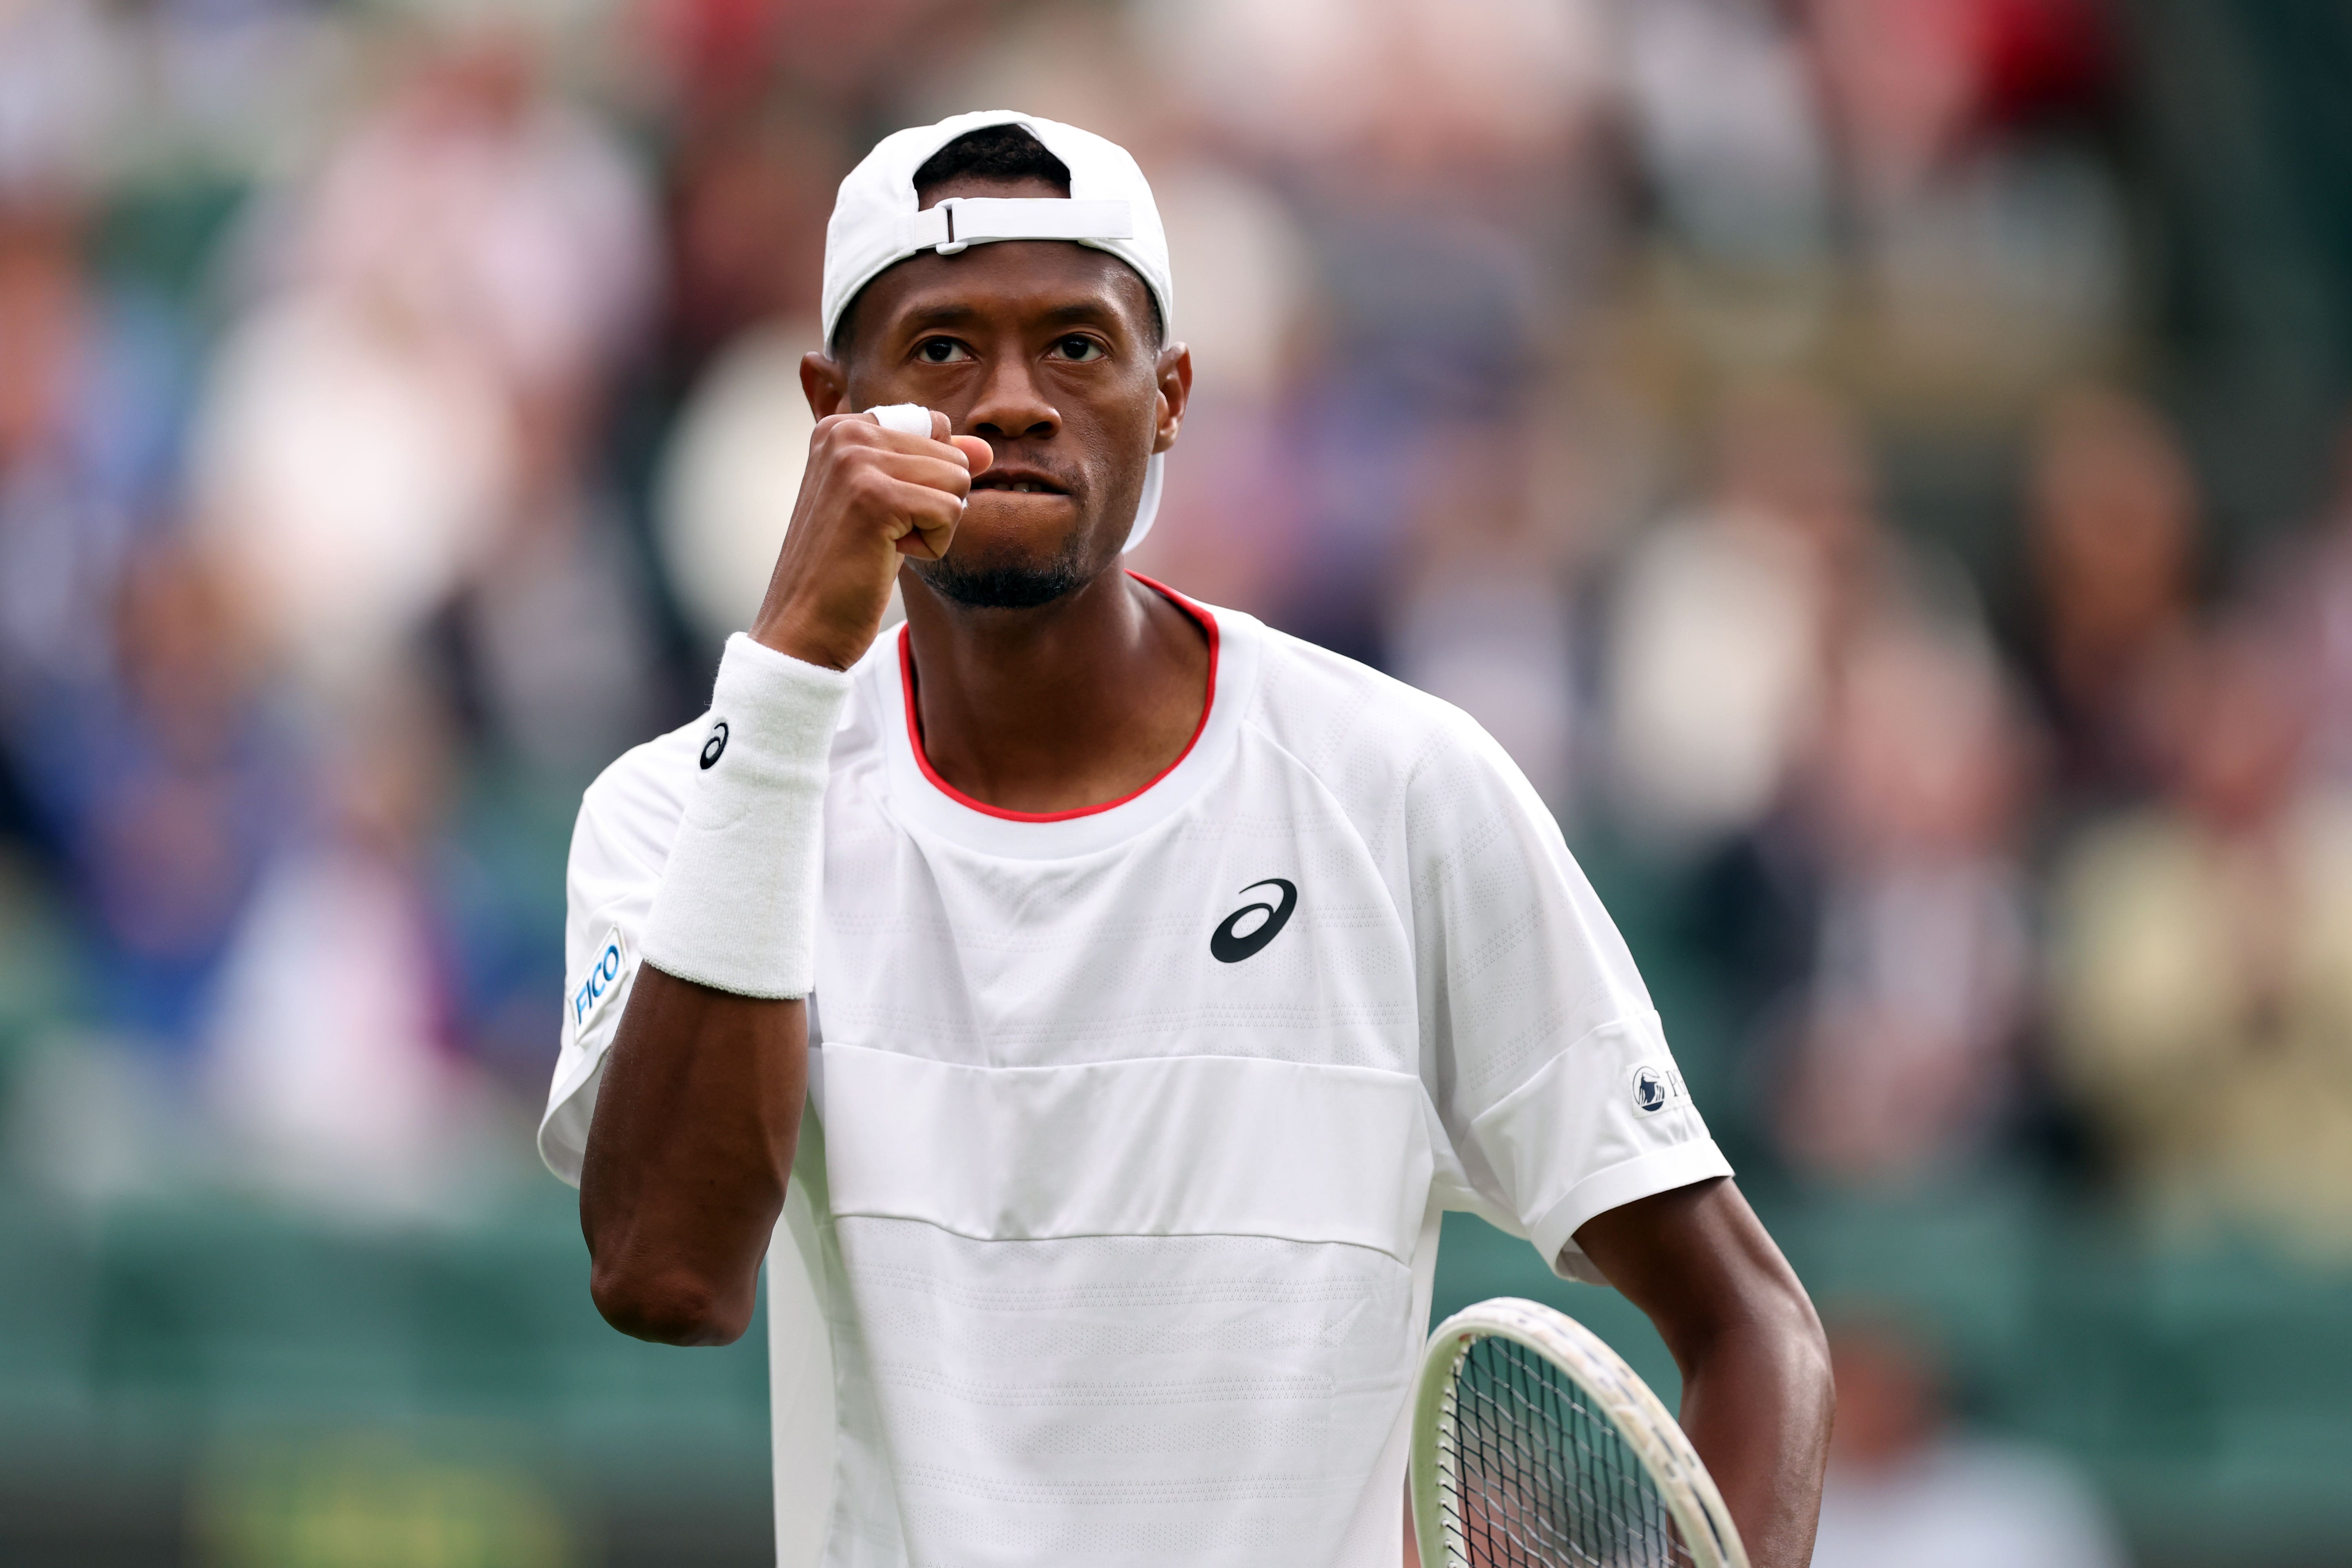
(845, 430)
(881, 496)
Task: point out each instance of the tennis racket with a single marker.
(1535, 1446)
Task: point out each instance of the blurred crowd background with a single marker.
(1882, 466)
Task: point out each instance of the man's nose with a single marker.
(1012, 405)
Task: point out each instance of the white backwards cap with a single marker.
(877, 221)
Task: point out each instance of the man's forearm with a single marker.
(684, 1175)
(1756, 1398)
(1757, 1404)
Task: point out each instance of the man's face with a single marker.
(1048, 351)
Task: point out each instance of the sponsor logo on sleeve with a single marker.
(1654, 1087)
(588, 998)
(714, 746)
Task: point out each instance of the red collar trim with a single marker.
(1208, 624)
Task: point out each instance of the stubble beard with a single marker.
(1009, 584)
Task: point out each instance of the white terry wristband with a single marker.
(737, 905)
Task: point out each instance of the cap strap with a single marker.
(960, 221)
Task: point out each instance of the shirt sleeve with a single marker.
(618, 847)
(1545, 1059)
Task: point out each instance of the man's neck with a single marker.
(1063, 706)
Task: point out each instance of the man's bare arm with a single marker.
(699, 1109)
(1756, 1398)
(695, 1123)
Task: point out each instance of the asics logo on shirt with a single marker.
(1229, 944)
(713, 746)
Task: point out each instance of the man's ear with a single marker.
(1174, 374)
(825, 384)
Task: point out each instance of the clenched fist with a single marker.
(868, 497)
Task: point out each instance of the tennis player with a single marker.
(1118, 990)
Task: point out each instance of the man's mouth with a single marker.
(1019, 482)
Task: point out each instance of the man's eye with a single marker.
(941, 351)
(1078, 347)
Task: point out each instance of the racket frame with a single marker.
(1607, 1385)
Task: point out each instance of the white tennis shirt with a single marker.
(1113, 1222)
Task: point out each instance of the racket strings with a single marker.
(1538, 1479)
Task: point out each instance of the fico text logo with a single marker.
(600, 980)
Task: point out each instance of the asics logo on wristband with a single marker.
(713, 746)
(1230, 944)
